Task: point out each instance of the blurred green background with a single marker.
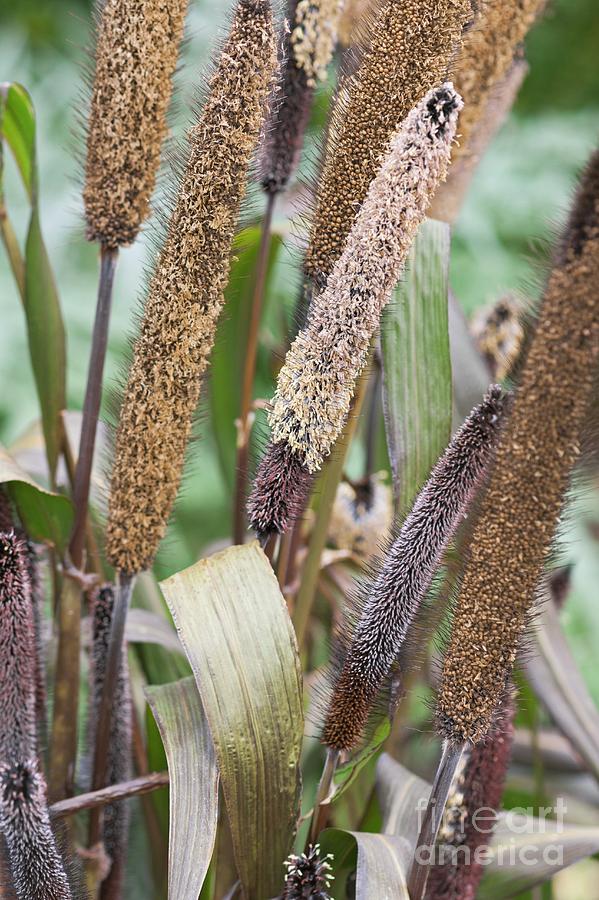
(516, 201)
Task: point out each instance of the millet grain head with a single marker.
(186, 294)
(316, 384)
(391, 601)
(410, 49)
(280, 491)
(521, 508)
(479, 786)
(362, 516)
(136, 56)
(308, 876)
(488, 52)
(314, 36)
(116, 816)
(36, 867)
(17, 652)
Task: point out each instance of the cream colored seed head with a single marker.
(487, 55)
(411, 46)
(361, 519)
(314, 35)
(136, 56)
(317, 382)
(185, 295)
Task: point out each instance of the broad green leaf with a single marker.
(228, 358)
(522, 857)
(45, 328)
(403, 797)
(46, 516)
(556, 679)
(193, 785)
(236, 632)
(380, 861)
(417, 399)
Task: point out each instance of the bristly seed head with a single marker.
(410, 49)
(392, 600)
(314, 35)
(280, 491)
(317, 382)
(521, 508)
(36, 867)
(186, 294)
(308, 876)
(136, 56)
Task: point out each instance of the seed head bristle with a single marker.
(136, 56)
(353, 16)
(488, 52)
(317, 382)
(308, 876)
(411, 45)
(17, 652)
(280, 491)
(477, 792)
(314, 35)
(186, 294)
(521, 507)
(394, 597)
(362, 516)
(116, 816)
(37, 869)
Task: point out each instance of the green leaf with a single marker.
(532, 853)
(380, 860)
(46, 516)
(403, 797)
(349, 771)
(228, 358)
(236, 632)
(556, 680)
(417, 399)
(45, 328)
(193, 785)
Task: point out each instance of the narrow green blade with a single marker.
(417, 398)
(193, 784)
(236, 632)
(380, 862)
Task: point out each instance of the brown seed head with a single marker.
(314, 35)
(410, 49)
(394, 597)
(136, 56)
(362, 516)
(280, 491)
(185, 296)
(487, 55)
(317, 382)
(521, 507)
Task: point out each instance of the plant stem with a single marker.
(91, 407)
(329, 482)
(9, 239)
(323, 795)
(245, 425)
(94, 799)
(450, 759)
(122, 596)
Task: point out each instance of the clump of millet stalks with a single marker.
(185, 295)
(36, 866)
(521, 508)
(477, 788)
(317, 382)
(487, 55)
(308, 876)
(36, 869)
(362, 515)
(410, 49)
(499, 333)
(392, 600)
(116, 816)
(136, 56)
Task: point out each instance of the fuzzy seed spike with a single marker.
(317, 382)
(186, 294)
(479, 787)
(314, 35)
(37, 869)
(308, 876)
(136, 56)
(395, 595)
(17, 652)
(521, 508)
(411, 45)
(116, 817)
(280, 491)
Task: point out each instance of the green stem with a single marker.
(9, 239)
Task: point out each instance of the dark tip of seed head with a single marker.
(280, 491)
(442, 103)
(18, 784)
